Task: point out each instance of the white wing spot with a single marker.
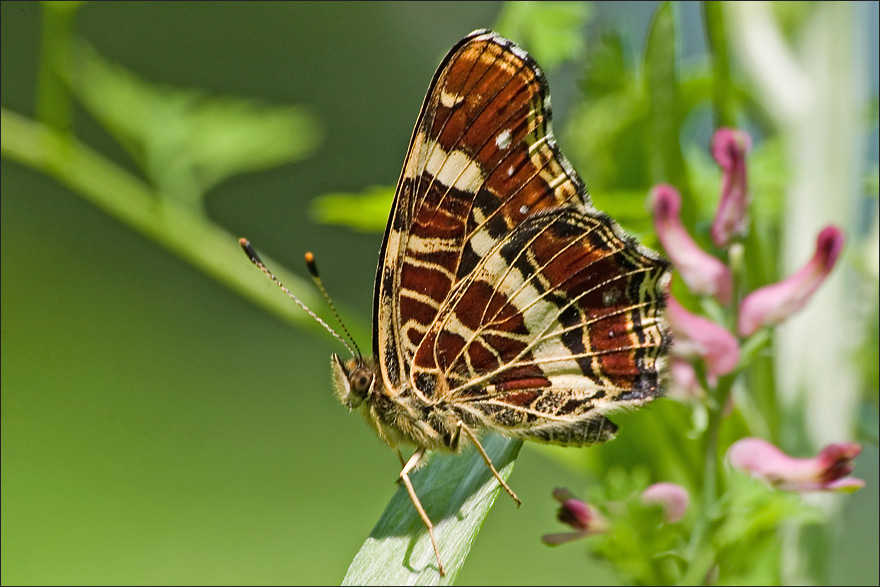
(510, 171)
(503, 140)
(449, 100)
(523, 209)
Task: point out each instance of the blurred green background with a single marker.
(157, 427)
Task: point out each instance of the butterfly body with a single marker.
(397, 416)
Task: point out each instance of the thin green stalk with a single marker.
(722, 91)
(699, 557)
(699, 550)
(53, 96)
(188, 235)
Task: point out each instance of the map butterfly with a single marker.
(503, 299)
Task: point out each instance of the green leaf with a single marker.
(551, 30)
(457, 492)
(184, 140)
(366, 211)
(661, 76)
(722, 98)
(607, 69)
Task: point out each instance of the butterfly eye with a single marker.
(360, 381)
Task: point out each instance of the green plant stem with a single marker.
(188, 235)
(722, 92)
(53, 96)
(698, 549)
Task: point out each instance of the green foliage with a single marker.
(186, 141)
(746, 542)
(367, 211)
(552, 31)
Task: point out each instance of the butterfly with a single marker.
(503, 299)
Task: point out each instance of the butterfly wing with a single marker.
(560, 323)
(497, 277)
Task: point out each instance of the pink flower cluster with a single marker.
(706, 275)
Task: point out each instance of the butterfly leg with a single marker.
(473, 437)
(411, 464)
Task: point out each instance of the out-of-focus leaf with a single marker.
(661, 76)
(184, 140)
(175, 227)
(630, 209)
(753, 513)
(457, 492)
(367, 211)
(605, 139)
(606, 69)
(722, 98)
(53, 94)
(552, 31)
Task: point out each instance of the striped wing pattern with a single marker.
(501, 292)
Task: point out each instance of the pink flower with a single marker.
(683, 386)
(827, 471)
(774, 303)
(674, 499)
(729, 147)
(703, 273)
(695, 336)
(577, 514)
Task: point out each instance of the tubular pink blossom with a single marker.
(729, 147)
(695, 336)
(673, 497)
(774, 303)
(703, 273)
(827, 471)
(577, 514)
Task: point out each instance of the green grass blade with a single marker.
(457, 492)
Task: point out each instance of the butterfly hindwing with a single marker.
(560, 323)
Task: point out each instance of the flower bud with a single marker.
(729, 147)
(673, 497)
(577, 514)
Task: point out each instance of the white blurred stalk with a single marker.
(813, 89)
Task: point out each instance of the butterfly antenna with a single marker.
(256, 260)
(313, 270)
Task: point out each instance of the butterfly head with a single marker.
(354, 380)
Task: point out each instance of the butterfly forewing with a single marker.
(501, 290)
